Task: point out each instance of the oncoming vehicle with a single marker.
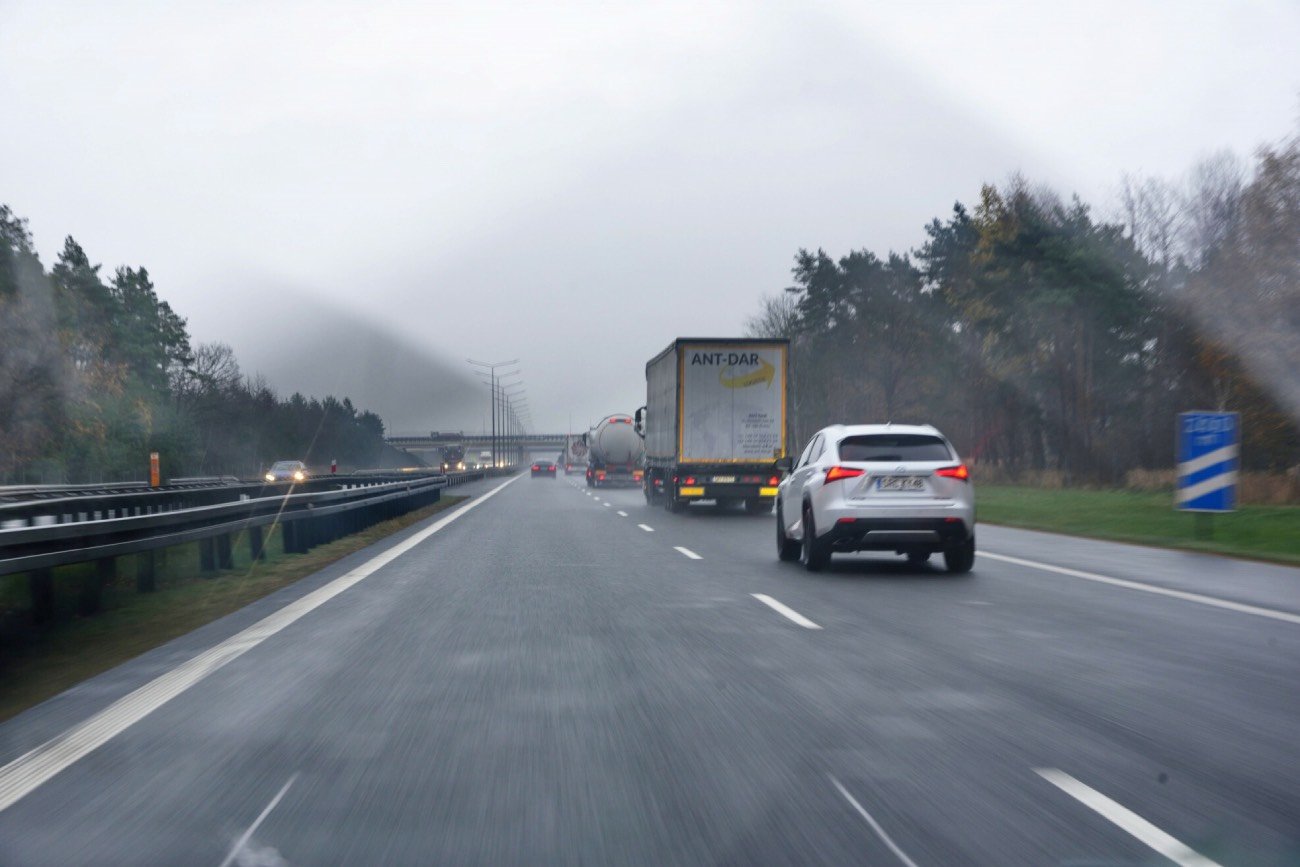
(544, 468)
(287, 471)
(879, 487)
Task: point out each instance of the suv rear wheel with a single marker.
(962, 558)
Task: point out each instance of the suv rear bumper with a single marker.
(896, 534)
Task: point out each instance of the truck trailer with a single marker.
(715, 422)
(574, 457)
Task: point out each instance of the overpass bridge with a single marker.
(437, 440)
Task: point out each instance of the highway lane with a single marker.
(544, 681)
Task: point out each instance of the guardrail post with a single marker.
(92, 586)
(207, 555)
(290, 535)
(256, 544)
(146, 578)
(41, 583)
(224, 558)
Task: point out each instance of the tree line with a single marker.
(1040, 337)
(96, 373)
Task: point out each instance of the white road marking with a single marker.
(688, 552)
(646, 528)
(607, 505)
(622, 514)
(1215, 602)
(30, 770)
(243, 841)
(1126, 819)
(785, 611)
(875, 826)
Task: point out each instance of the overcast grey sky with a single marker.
(358, 196)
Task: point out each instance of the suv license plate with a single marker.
(900, 483)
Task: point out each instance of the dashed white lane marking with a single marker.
(646, 528)
(30, 770)
(248, 835)
(622, 514)
(1215, 602)
(608, 505)
(688, 552)
(875, 826)
(1126, 819)
(785, 611)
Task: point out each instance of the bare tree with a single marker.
(778, 316)
(1152, 211)
(1211, 205)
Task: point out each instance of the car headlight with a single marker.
(270, 477)
(298, 476)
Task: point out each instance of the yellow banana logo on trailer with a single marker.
(765, 373)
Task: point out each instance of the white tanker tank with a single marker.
(615, 452)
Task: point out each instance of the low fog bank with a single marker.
(306, 345)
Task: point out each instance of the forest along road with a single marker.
(559, 675)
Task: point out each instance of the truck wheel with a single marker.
(962, 558)
(787, 549)
(674, 504)
(816, 554)
(758, 505)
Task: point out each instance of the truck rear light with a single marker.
(690, 480)
(959, 472)
(601, 475)
(836, 473)
(774, 481)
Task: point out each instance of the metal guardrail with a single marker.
(20, 493)
(44, 534)
(36, 536)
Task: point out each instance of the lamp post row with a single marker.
(506, 423)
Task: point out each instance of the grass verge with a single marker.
(77, 648)
(1259, 532)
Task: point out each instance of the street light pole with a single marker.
(492, 366)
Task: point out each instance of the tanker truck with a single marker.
(614, 453)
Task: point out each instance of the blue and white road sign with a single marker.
(1209, 453)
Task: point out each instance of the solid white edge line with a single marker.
(1215, 602)
(1126, 819)
(875, 826)
(647, 528)
(785, 611)
(32, 769)
(687, 552)
(248, 835)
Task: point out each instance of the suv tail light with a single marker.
(834, 474)
(958, 472)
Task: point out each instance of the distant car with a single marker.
(879, 487)
(287, 471)
(544, 468)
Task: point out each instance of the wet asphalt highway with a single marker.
(566, 676)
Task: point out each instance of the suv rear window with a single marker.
(894, 447)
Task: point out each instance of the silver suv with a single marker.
(877, 487)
